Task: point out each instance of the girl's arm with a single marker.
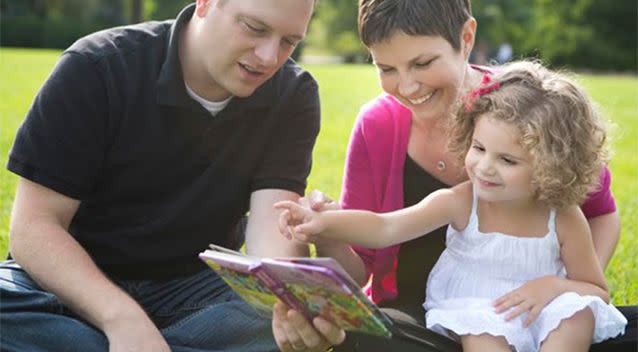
(374, 230)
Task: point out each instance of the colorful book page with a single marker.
(325, 293)
(343, 309)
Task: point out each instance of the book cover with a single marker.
(240, 274)
(313, 286)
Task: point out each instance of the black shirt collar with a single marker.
(170, 84)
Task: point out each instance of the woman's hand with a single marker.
(530, 298)
(293, 332)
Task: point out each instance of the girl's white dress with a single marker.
(476, 268)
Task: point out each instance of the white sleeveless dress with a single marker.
(476, 268)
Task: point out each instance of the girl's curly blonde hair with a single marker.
(558, 124)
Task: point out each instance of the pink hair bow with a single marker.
(487, 86)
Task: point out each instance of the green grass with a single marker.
(22, 72)
(343, 90)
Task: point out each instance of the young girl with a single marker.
(533, 147)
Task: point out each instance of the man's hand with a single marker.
(135, 334)
(530, 298)
(293, 332)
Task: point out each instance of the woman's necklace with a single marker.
(430, 134)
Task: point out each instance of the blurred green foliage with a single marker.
(595, 34)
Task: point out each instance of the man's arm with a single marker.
(605, 231)
(291, 330)
(41, 244)
(262, 232)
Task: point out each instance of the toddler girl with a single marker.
(533, 146)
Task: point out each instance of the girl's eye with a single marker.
(253, 28)
(386, 69)
(509, 161)
(478, 148)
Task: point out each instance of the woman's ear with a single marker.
(468, 35)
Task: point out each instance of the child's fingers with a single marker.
(296, 213)
(283, 220)
(284, 204)
(316, 199)
(319, 201)
(518, 310)
(507, 301)
(296, 210)
(303, 201)
(497, 302)
(300, 236)
(306, 229)
(532, 315)
(290, 231)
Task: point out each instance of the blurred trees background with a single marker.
(594, 34)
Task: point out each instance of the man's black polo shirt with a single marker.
(158, 177)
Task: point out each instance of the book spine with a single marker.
(280, 290)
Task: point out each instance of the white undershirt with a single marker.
(214, 107)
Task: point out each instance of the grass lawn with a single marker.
(343, 90)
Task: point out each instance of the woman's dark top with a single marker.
(418, 256)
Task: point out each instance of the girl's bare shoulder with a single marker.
(571, 223)
(461, 207)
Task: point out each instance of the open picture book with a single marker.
(312, 286)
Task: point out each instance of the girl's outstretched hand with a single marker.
(530, 298)
(298, 221)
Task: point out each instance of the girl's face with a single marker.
(499, 168)
(424, 73)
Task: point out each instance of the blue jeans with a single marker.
(194, 313)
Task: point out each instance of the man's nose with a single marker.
(267, 52)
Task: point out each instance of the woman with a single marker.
(421, 49)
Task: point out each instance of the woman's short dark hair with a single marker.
(380, 19)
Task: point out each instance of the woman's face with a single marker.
(424, 73)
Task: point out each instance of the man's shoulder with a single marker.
(123, 40)
(292, 75)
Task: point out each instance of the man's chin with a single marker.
(243, 92)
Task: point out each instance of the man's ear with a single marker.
(201, 7)
(468, 35)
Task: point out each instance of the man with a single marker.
(145, 144)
